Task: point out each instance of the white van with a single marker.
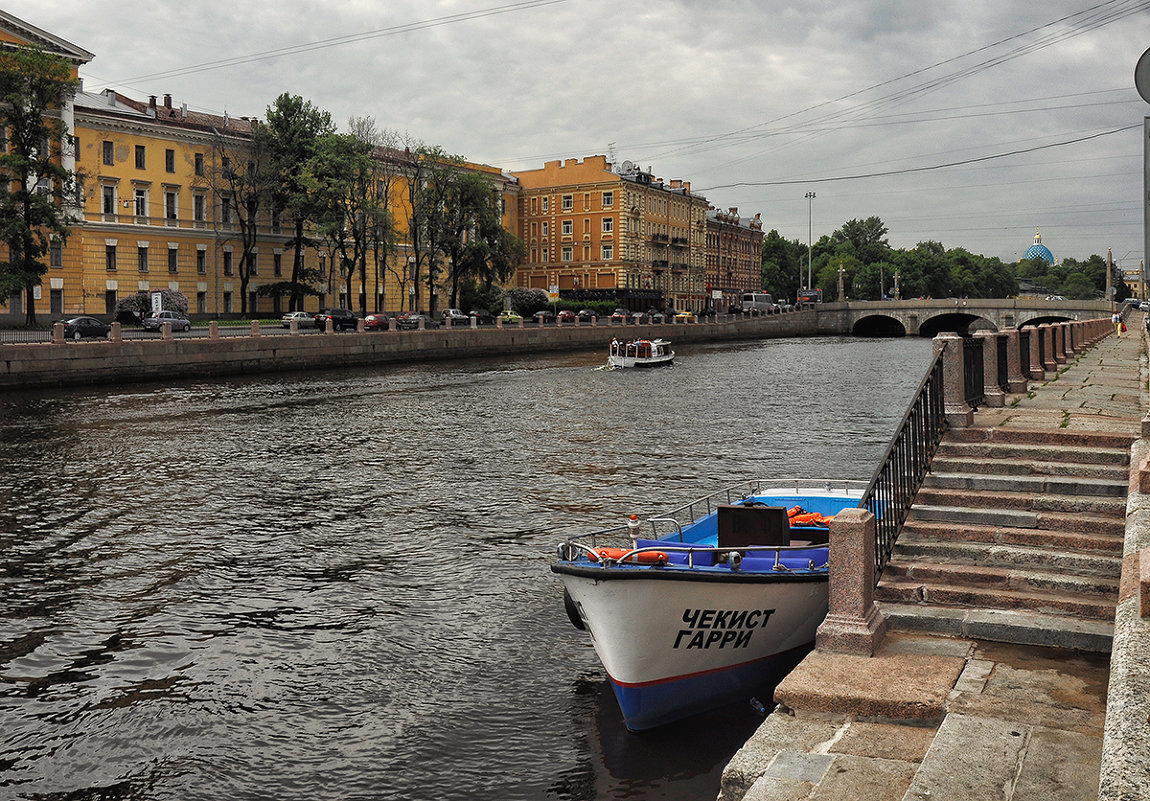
(758, 303)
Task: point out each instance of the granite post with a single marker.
(853, 624)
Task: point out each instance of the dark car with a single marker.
(80, 327)
(409, 321)
(544, 317)
(586, 315)
(483, 317)
(155, 321)
(340, 319)
(376, 321)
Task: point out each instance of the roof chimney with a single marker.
(111, 97)
(167, 101)
(152, 102)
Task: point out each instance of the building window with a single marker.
(110, 257)
(141, 198)
(110, 301)
(608, 252)
(568, 202)
(56, 301)
(226, 211)
(568, 228)
(277, 264)
(171, 205)
(56, 253)
(255, 264)
(109, 199)
(199, 164)
(608, 199)
(608, 225)
(227, 303)
(141, 164)
(142, 258)
(201, 261)
(545, 255)
(199, 208)
(544, 205)
(567, 254)
(546, 229)
(227, 262)
(170, 160)
(109, 153)
(173, 260)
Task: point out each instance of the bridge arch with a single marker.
(878, 325)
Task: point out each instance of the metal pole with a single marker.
(810, 196)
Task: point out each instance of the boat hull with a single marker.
(675, 643)
(641, 361)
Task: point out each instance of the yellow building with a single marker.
(601, 234)
(155, 216)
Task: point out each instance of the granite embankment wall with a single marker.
(30, 366)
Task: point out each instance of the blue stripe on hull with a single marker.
(650, 705)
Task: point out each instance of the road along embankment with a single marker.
(31, 366)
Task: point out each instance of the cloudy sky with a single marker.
(971, 123)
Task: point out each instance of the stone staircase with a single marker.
(1015, 536)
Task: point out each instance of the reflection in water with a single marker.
(336, 584)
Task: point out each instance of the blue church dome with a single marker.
(1038, 250)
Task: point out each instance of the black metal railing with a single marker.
(906, 462)
(973, 383)
(1024, 352)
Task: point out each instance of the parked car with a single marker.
(376, 321)
(586, 315)
(340, 319)
(620, 316)
(543, 317)
(155, 320)
(655, 316)
(454, 317)
(510, 316)
(81, 327)
(566, 316)
(684, 317)
(409, 321)
(302, 319)
(483, 317)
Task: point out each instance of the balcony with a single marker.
(679, 241)
(660, 238)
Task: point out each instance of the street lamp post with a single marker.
(810, 196)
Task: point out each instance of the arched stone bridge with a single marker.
(926, 318)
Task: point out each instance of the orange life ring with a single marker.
(615, 554)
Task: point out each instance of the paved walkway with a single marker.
(941, 718)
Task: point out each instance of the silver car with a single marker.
(303, 319)
(156, 320)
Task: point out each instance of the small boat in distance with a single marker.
(640, 353)
(708, 604)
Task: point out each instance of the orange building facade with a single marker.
(598, 233)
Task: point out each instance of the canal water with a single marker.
(335, 585)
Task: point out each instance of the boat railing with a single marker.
(731, 557)
(904, 466)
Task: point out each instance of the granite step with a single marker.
(1000, 500)
(1024, 627)
(1071, 533)
(1012, 556)
(1035, 453)
(996, 577)
(965, 517)
(1030, 484)
(1028, 466)
(907, 590)
(1056, 438)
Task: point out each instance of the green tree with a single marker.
(294, 127)
(36, 192)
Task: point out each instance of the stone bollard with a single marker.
(116, 334)
(474, 321)
(421, 323)
(165, 330)
(958, 412)
(1059, 333)
(1068, 339)
(1015, 380)
(992, 393)
(214, 329)
(1037, 371)
(293, 326)
(255, 328)
(57, 332)
(1049, 363)
(329, 326)
(499, 322)
(853, 624)
(359, 329)
(521, 321)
